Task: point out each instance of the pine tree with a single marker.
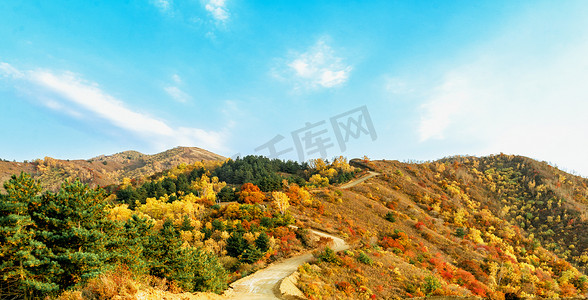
(129, 246)
(262, 242)
(162, 248)
(236, 244)
(250, 255)
(73, 225)
(25, 268)
(226, 194)
(198, 271)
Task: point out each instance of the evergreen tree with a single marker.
(251, 254)
(198, 271)
(162, 249)
(73, 225)
(262, 242)
(25, 268)
(182, 184)
(186, 224)
(129, 248)
(227, 194)
(236, 244)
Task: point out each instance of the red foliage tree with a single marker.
(251, 194)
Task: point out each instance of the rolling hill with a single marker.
(105, 170)
(497, 226)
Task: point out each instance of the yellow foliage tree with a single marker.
(280, 201)
(318, 164)
(318, 180)
(208, 188)
(340, 163)
(161, 209)
(329, 172)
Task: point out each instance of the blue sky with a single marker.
(437, 78)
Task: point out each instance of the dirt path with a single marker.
(261, 284)
(360, 180)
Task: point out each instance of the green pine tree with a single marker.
(74, 227)
(236, 244)
(162, 249)
(128, 246)
(250, 255)
(25, 268)
(262, 242)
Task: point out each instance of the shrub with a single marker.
(303, 235)
(460, 232)
(118, 283)
(317, 180)
(390, 217)
(345, 286)
(431, 284)
(364, 258)
(328, 255)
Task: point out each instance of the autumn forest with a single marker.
(496, 227)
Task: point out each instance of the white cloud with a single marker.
(218, 10)
(176, 78)
(163, 5)
(318, 67)
(8, 70)
(446, 106)
(68, 93)
(177, 94)
(518, 95)
(174, 90)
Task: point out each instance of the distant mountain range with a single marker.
(104, 170)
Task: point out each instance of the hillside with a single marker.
(498, 227)
(491, 227)
(104, 170)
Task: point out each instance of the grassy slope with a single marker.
(430, 202)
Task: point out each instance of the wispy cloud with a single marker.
(164, 6)
(177, 79)
(175, 91)
(317, 67)
(448, 104)
(217, 9)
(68, 93)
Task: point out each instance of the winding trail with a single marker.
(359, 180)
(261, 284)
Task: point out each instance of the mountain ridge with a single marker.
(104, 170)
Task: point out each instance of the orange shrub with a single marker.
(345, 286)
(388, 242)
